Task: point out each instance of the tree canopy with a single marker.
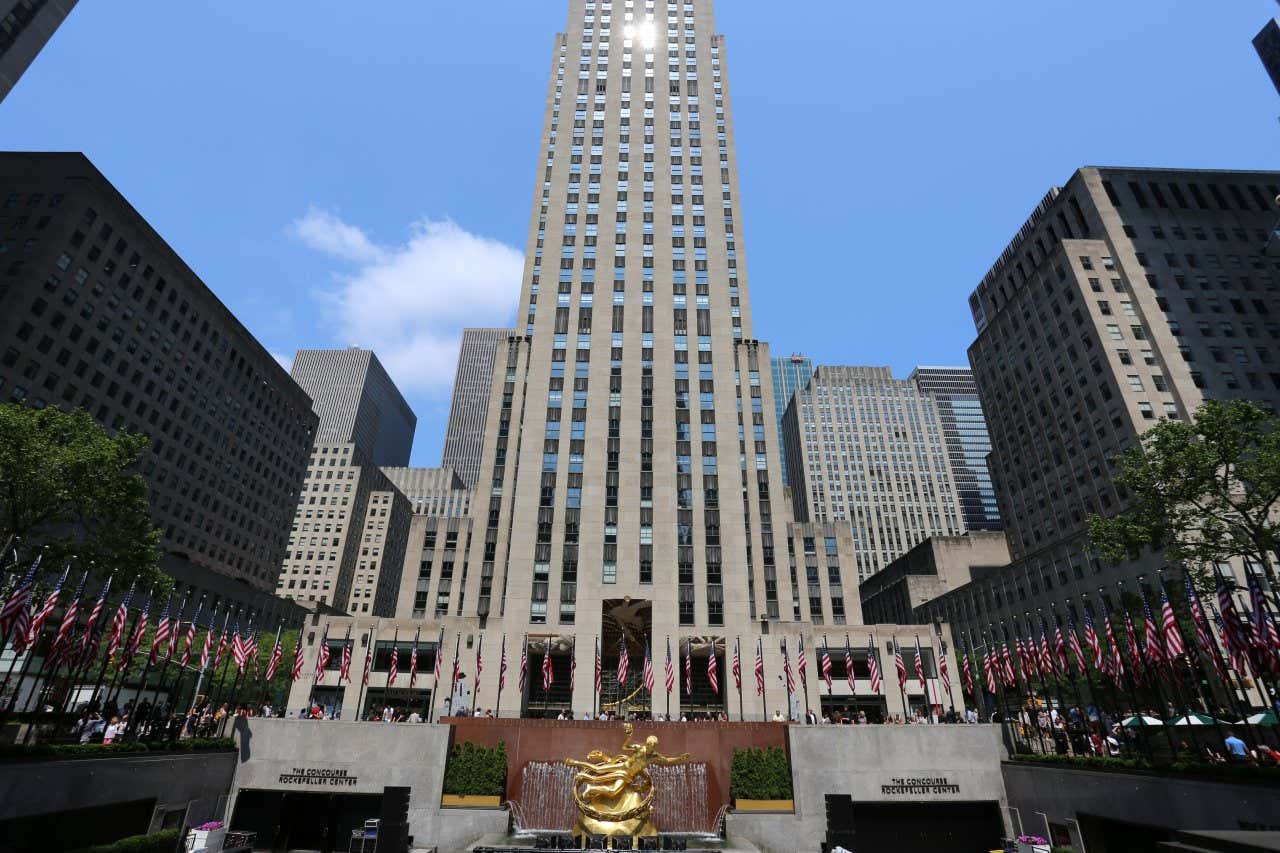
(69, 487)
(1203, 491)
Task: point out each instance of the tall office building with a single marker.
(1130, 295)
(357, 402)
(1267, 44)
(432, 491)
(790, 374)
(630, 494)
(25, 27)
(98, 312)
(964, 428)
(351, 524)
(867, 450)
(472, 385)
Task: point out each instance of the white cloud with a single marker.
(409, 302)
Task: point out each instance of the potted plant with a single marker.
(760, 780)
(1032, 844)
(207, 837)
(475, 776)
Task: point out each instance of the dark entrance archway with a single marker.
(913, 827)
(285, 820)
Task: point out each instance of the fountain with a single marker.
(680, 802)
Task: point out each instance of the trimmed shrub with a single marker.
(57, 751)
(1242, 773)
(160, 842)
(760, 774)
(475, 770)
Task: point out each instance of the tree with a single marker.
(70, 488)
(1205, 491)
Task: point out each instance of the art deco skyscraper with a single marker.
(472, 386)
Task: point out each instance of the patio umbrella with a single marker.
(1263, 718)
(1193, 720)
(1134, 722)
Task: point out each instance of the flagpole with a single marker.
(182, 668)
(475, 687)
(266, 682)
(219, 678)
(106, 657)
(195, 691)
(1053, 672)
(436, 670)
(1155, 674)
(502, 676)
(317, 671)
(764, 682)
(1260, 669)
(360, 718)
(849, 676)
(453, 680)
(804, 678)
(901, 677)
(116, 684)
(596, 677)
(1125, 676)
(573, 670)
(737, 657)
(27, 657)
(174, 626)
(33, 598)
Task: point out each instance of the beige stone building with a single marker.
(936, 566)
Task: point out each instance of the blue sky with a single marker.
(314, 165)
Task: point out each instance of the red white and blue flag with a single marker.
(1154, 639)
(802, 665)
(786, 670)
(548, 671)
(1094, 644)
(161, 637)
(737, 665)
(599, 669)
(848, 665)
(670, 671)
(648, 670)
(277, 654)
(15, 616)
(298, 662)
(624, 661)
(1266, 638)
(89, 641)
(344, 673)
(1204, 631)
(873, 667)
(1077, 651)
(713, 669)
(60, 651)
(1174, 647)
(119, 623)
(134, 643)
(825, 663)
(688, 667)
(1115, 662)
(502, 662)
(524, 665)
(989, 669)
(924, 685)
(900, 665)
(322, 654)
(943, 670)
(759, 666)
(966, 673)
(190, 642)
(46, 610)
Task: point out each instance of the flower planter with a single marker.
(470, 801)
(1024, 847)
(206, 840)
(742, 805)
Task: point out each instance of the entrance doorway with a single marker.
(936, 827)
(285, 820)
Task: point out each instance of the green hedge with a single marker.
(475, 770)
(760, 774)
(160, 842)
(19, 752)
(1198, 769)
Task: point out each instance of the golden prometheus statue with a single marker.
(615, 794)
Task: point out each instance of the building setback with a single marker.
(98, 312)
(25, 27)
(472, 385)
(357, 402)
(790, 374)
(1130, 295)
(867, 450)
(630, 491)
(964, 428)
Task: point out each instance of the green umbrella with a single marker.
(1193, 720)
(1265, 718)
(1135, 722)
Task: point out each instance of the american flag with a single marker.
(277, 654)
(786, 670)
(524, 665)
(873, 667)
(848, 665)
(298, 663)
(1204, 631)
(825, 663)
(161, 636)
(1135, 650)
(1115, 663)
(413, 658)
(251, 645)
(1060, 648)
(368, 663)
(688, 667)
(440, 662)
(191, 636)
(394, 670)
(322, 655)
(220, 653)
(900, 665)
(713, 670)
(46, 610)
(457, 661)
(737, 666)
(15, 616)
(573, 666)
(966, 673)
(119, 623)
(943, 671)
(1077, 651)
(1237, 660)
(1007, 665)
(670, 671)
(240, 648)
(1047, 664)
(924, 685)
(480, 664)
(344, 673)
(548, 671)
(1026, 658)
(89, 641)
(1154, 640)
(134, 644)
(600, 669)
(802, 665)
(502, 662)
(648, 670)
(60, 651)
(206, 651)
(624, 661)
(1174, 648)
(1266, 637)
(989, 670)
(759, 666)
(1232, 633)
(1095, 646)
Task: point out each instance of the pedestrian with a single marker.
(1237, 752)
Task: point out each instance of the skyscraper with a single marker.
(790, 374)
(867, 451)
(1128, 296)
(357, 402)
(964, 428)
(472, 384)
(1267, 44)
(25, 27)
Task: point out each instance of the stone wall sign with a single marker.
(917, 785)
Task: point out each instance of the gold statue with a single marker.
(615, 794)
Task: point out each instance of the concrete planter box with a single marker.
(742, 805)
(206, 841)
(1023, 847)
(470, 801)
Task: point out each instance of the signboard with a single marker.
(334, 777)
(915, 786)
